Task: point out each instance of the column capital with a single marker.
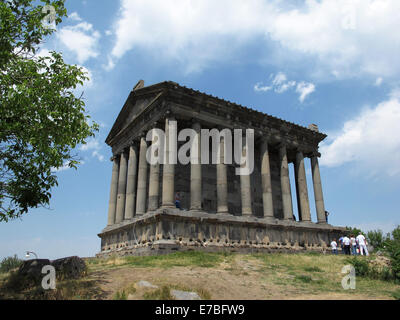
(136, 140)
(169, 115)
(115, 157)
(282, 144)
(142, 134)
(266, 140)
(195, 123)
(134, 143)
(314, 154)
(156, 125)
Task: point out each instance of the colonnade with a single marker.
(130, 178)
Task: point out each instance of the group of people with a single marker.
(351, 245)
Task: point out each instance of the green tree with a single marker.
(41, 119)
(354, 231)
(393, 249)
(376, 239)
(10, 263)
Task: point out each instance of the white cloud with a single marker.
(280, 84)
(304, 89)
(97, 155)
(258, 87)
(94, 146)
(88, 83)
(378, 81)
(81, 39)
(91, 144)
(344, 38)
(75, 16)
(279, 79)
(371, 141)
(193, 33)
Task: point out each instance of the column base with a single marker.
(269, 219)
(223, 213)
(168, 206)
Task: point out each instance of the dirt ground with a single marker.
(240, 280)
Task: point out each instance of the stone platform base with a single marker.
(170, 230)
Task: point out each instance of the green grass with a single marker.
(303, 278)
(178, 259)
(396, 294)
(163, 293)
(324, 273)
(303, 273)
(313, 269)
(124, 293)
(16, 288)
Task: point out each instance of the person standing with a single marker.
(346, 245)
(334, 246)
(326, 216)
(353, 243)
(341, 244)
(178, 201)
(362, 242)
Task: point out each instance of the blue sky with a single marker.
(333, 63)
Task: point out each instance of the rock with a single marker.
(69, 268)
(32, 269)
(185, 295)
(146, 284)
(380, 262)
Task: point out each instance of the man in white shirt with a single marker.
(362, 243)
(334, 246)
(346, 245)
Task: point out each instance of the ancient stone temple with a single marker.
(219, 209)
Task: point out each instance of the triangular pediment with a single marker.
(138, 100)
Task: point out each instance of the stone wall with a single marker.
(181, 230)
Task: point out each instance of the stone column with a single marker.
(285, 185)
(195, 170)
(112, 203)
(142, 178)
(301, 184)
(245, 187)
(131, 184)
(318, 195)
(168, 182)
(121, 199)
(154, 183)
(222, 183)
(266, 182)
(297, 192)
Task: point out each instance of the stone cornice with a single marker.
(179, 100)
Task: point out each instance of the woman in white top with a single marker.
(353, 243)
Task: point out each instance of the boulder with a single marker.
(29, 274)
(146, 284)
(185, 295)
(69, 268)
(33, 268)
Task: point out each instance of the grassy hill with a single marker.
(214, 276)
